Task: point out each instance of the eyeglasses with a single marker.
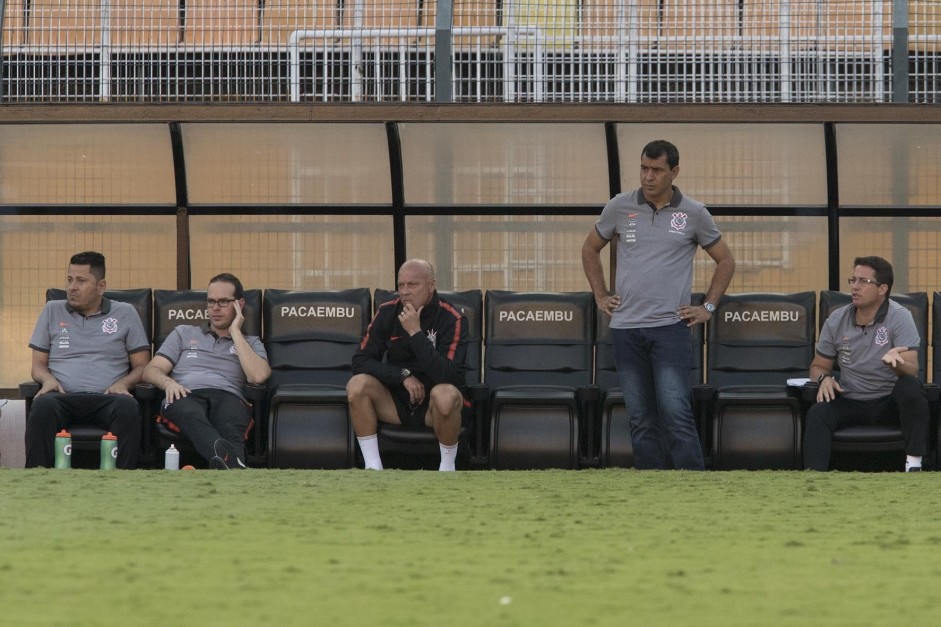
(222, 302)
(853, 280)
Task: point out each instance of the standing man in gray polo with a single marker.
(203, 371)
(659, 231)
(88, 354)
(876, 343)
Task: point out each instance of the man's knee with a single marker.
(44, 407)
(361, 386)
(908, 387)
(446, 399)
(125, 408)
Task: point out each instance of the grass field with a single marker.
(599, 547)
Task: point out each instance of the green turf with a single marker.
(407, 548)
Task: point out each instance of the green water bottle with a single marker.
(63, 449)
(109, 451)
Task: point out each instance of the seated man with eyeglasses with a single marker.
(203, 371)
(876, 343)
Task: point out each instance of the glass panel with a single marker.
(772, 254)
(891, 165)
(294, 252)
(86, 164)
(522, 253)
(736, 164)
(287, 163)
(911, 245)
(34, 256)
(501, 164)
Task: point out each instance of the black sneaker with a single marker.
(217, 463)
(226, 457)
(913, 469)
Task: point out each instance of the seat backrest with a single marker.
(175, 307)
(915, 302)
(311, 337)
(606, 375)
(760, 339)
(538, 338)
(468, 302)
(141, 299)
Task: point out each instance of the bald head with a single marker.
(416, 284)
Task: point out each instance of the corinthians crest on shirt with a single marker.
(433, 336)
(678, 222)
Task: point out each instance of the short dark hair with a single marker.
(94, 261)
(882, 268)
(660, 147)
(225, 277)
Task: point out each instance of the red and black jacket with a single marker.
(434, 355)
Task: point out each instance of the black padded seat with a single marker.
(538, 364)
(534, 426)
(757, 427)
(756, 342)
(310, 427)
(311, 337)
(868, 438)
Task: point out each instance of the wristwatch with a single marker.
(710, 307)
(822, 377)
(405, 374)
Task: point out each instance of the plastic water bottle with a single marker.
(109, 451)
(63, 449)
(171, 461)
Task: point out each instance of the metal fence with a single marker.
(635, 51)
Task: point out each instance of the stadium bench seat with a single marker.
(538, 364)
(756, 342)
(311, 337)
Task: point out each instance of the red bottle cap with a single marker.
(109, 436)
(63, 434)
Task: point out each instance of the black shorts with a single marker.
(409, 415)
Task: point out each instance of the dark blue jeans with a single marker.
(654, 369)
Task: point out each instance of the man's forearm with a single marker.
(155, 376)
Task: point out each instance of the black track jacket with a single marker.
(435, 355)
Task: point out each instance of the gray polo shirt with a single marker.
(655, 255)
(201, 359)
(859, 350)
(89, 353)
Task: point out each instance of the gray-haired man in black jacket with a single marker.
(423, 340)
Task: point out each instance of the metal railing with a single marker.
(633, 51)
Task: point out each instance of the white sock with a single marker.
(448, 455)
(912, 461)
(369, 445)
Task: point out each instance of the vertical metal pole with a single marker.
(900, 51)
(444, 68)
(104, 79)
(833, 206)
(356, 89)
(3, 10)
(397, 172)
(183, 274)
